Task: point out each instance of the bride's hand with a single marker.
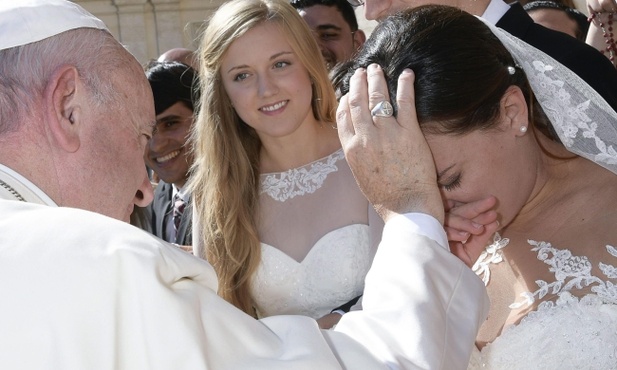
(469, 228)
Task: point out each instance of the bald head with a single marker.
(181, 55)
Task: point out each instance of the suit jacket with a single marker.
(582, 59)
(161, 206)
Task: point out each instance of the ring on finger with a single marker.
(382, 109)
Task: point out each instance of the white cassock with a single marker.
(83, 291)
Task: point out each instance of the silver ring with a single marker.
(382, 109)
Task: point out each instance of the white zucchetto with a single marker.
(26, 21)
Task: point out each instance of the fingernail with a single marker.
(464, 234)
(374, 67)
(476, 225)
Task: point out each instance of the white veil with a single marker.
(582, 119)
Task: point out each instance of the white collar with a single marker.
(24, 187)
(495, 10)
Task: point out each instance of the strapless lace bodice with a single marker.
(573, 330)
(569, 334)
(331, 273)
(318, 235)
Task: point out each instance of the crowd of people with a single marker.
(293, 194)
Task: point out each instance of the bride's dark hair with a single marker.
(462, 70)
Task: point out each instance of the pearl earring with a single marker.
(523, 129)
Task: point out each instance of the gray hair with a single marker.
(25, 71)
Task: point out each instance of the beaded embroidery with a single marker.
(302, 180)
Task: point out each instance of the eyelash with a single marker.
(238, 76)
(455, 183)
(280, 64)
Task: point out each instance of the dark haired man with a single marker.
(335, 27)
(167, 154)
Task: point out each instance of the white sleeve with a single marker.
(422, 307)
(113, 297)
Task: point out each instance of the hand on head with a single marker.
(389, 156)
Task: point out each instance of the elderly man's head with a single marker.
(76, 110)
(379, 9)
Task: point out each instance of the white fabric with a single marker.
(319, 235)
(14, 182)
(331, 274)
(575, 330)
(102, 294)
(26, 21)
(495, 10)
(583, 120)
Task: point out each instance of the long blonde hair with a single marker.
(224, 177)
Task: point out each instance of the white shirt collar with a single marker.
(495, 10)
(28, 185)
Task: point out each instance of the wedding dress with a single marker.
(577, 329)
(318, 236)
(566, 310)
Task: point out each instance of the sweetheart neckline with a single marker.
(317, 243)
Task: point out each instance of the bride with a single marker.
(525, 154)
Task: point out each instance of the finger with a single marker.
(472, 252)
(460, 250)
(456, 235)
(357, 99)
(485, 218)
(462, 224)
(343, 122)
(473, 209)
(377, 89)
(406, 100)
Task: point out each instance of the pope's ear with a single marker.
(63, 99)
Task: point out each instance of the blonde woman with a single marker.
(277, 210)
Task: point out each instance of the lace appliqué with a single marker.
(302, 180)
(491, 254)
(570, 272)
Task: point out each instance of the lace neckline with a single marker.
(570, 271)
(306, 179)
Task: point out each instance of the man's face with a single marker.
(117, 137)
(167, 153)
(333, 34)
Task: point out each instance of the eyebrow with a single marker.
(271, 58)
(171, 117)
(441, 173)
(325, 27)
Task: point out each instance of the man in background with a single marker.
(176, 90)
(334, 26)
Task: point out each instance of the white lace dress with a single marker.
(318, 235)
(574, 330)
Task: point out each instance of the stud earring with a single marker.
(523, 129)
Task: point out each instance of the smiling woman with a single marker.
(278, 212)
